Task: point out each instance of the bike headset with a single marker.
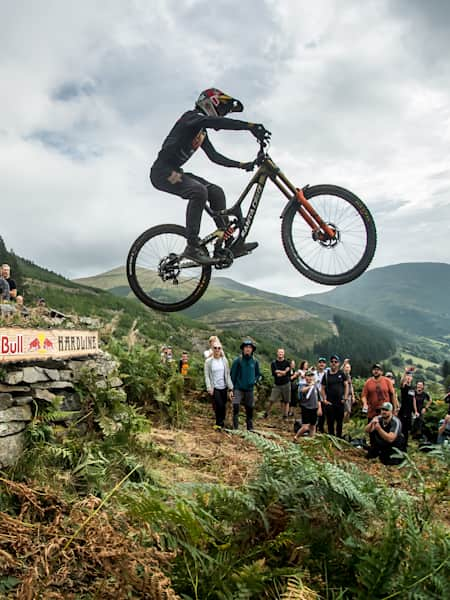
(215, 103)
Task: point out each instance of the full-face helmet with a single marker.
(215, 103)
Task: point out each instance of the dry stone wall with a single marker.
(23, 386)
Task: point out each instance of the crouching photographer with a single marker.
(385, 433)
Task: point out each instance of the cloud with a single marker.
(356, 94)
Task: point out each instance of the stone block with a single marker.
(12, 427)
(14, 388)
(53, 385)
(15, 413)
(34, 374)
(14, 377)
(66, 375)
(22, 400)
(52, 374)
(6, 400)
(71, 403)
(40, 394)
(11, 448)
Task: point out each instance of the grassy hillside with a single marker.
(412, 297)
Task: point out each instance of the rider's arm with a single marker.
(218, 123)
(217, 158)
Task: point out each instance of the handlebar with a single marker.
(260, 157)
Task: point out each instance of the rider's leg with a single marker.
(187, 187)
(216, 199)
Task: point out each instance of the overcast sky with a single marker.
(355, 93)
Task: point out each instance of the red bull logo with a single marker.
(34, 344)
(40, 343)
(48, 344)
(11, 345)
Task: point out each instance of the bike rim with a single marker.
(184, 278)
(335, 257)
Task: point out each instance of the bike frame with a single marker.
(268, 170)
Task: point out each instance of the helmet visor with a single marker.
(227, 104)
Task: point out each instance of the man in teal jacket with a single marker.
(244, 374)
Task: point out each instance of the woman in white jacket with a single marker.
(218, 382)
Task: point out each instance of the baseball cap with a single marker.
(335, 356)
(309, 372)
(390, 374)
(321, 359)
(376, 366)
(387, 406)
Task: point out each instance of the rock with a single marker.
(71, 402)
(11, 448)
(23, 400)
(34, 374)
(53, 385)
(115, 382)
(40, 394)
(14, 388)
(6, 400)
(66, 374)
(14, 377)
(52, 374)
(15, 413)
(12, 427)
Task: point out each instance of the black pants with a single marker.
(335, 415)
(405, 420)
(321, 420)
(248, 400)
(220, 405)
(197, 191)
(384, 450)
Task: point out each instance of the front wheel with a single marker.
(330, 261)
(158, 273)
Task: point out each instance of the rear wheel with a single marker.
(159, 275)
(340, 259)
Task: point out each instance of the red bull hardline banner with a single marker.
(38, 344)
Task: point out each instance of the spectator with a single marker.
(294, 387)
(385, 433)
(444, 429)
(4, 290)
(301, 379)
(166, 353)
(334, 391)
(183, 364)
(213, 341)
(376, 391)
(218, 381)
(422, 400)
(390, 376)
(447, 396)
(406, 411)
(21, 307)
(349, 399)
(281, 372)
(244, 375)
(422, 403)
(310, 406)
(320, 371)
(6, 274)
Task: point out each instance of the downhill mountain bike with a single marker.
(328, 234)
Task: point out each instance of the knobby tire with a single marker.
(350, 256)
(142, 270)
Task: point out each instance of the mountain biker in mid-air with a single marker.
(185, 137)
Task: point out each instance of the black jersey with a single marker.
(189, 133)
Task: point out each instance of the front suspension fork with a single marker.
(321, 230)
